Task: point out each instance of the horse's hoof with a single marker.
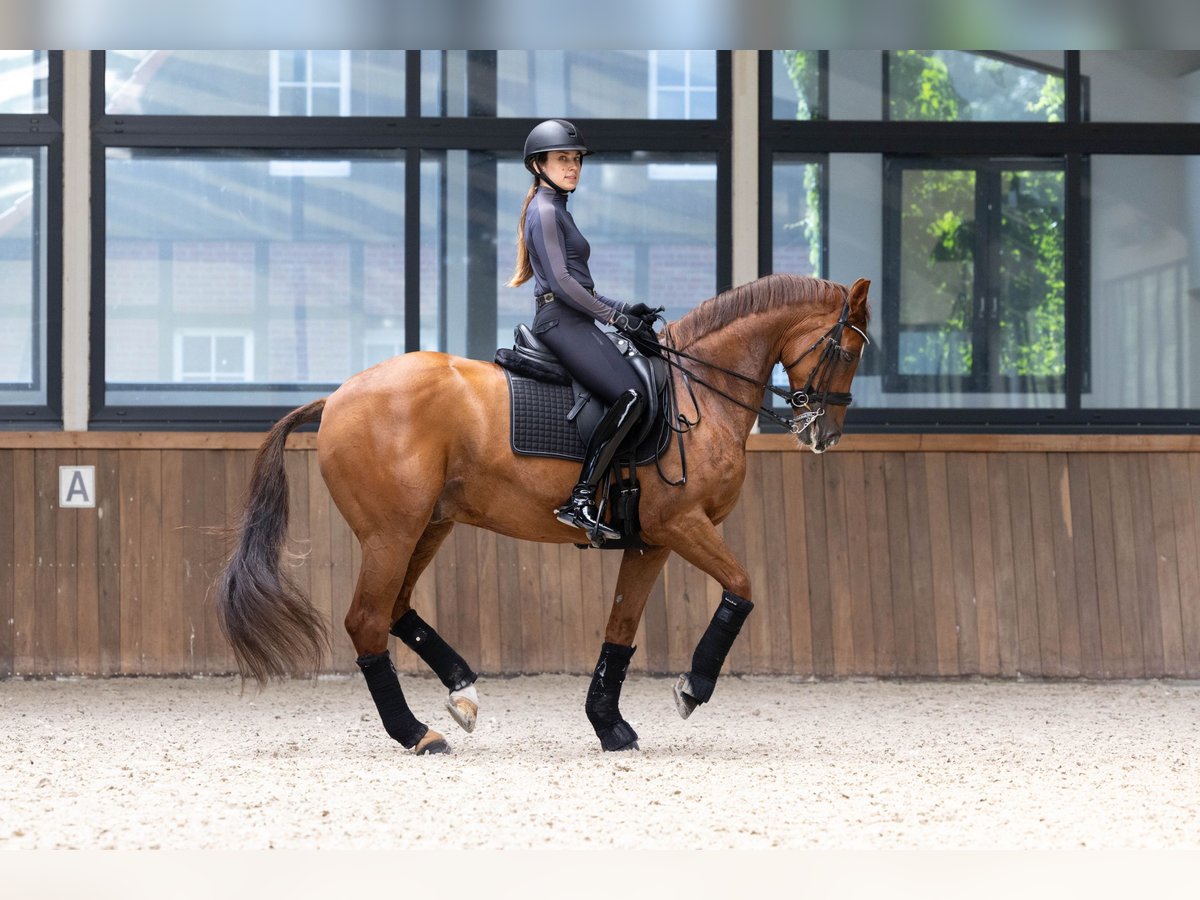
(618, 736)
(464, 707)
(431, 743)
(684, 701)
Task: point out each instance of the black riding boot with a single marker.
(580, 510)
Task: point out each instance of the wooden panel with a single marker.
(8, 524)
(901, 556)
(819, 589)
(876, 563)
(1041, 531)
(1146, 565)
(880, 562)
(838, 553)
(1005, 561)
(1102, 564)
(795, 551)
(1029, 646)
(1125, 566)
(945, 608)
(64, 655)
(24, 561)
(1072, 542)
(87, 607)
(45, 613)
(983, 566)
(1163, 504)
(1186, 552)
(1091, 659)
(958, 493)
(924, 613)
(108, 539)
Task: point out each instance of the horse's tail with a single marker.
(274, 629)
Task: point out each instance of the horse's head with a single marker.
(821, 359)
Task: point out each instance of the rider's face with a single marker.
(563, 168)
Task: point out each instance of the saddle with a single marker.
(554, 415)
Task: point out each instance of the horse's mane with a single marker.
(753, 297)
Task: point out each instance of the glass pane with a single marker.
(22, 276)
(796, 212)
(937, 273)
(24, 76)
(1142, 85)
(650, 221)
(569, 83)
(1145, 269)
(1028, 319)
(252, 82)
(796, 78)
(956, 86)
(290, 259)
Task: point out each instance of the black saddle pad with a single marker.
(540, 426)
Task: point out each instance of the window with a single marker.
(1033, 258)
(683, 85)
(30, 242)
(251, 266)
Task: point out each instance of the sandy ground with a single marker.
(770, 763)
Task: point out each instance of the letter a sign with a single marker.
(76, 486)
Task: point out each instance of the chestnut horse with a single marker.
(417, 443)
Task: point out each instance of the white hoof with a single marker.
(684, 701)
(464, 707)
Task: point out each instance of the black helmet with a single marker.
(553, 134)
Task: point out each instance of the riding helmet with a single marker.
(553, 134)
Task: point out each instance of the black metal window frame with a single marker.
(408, 136)
(1073, 142)
(37, 131)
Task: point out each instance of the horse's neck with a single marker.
(749, 347)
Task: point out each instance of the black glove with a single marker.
(638, 330)
(647, 314)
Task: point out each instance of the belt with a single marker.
(542, 299)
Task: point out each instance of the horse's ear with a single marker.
(858, 292)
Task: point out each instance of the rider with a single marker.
(552, 251)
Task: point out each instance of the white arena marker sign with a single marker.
(76, 486)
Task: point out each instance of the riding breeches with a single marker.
(585, 351)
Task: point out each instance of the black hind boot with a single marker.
(580, 510)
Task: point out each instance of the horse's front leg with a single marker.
(639, 570)
(696, 539)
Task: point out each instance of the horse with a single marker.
(418, 443)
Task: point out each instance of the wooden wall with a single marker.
(891, 556)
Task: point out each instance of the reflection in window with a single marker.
(22, 276)
(609, 84)
(956, 86)
(254, 82)
(227, 268)
(796, 80)
(24, 75)
(1141, 85)
(978, 272)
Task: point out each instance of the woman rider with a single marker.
(552, 251)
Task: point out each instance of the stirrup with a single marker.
(597, 533)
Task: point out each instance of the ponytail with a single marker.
(523, 271)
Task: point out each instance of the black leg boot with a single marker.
(604, 697)
(580, 510)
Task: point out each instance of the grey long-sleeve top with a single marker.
(558, 254)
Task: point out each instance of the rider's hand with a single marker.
(637, 329)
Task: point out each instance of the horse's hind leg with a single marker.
(639, 570)
(367, 624)
(420, 637)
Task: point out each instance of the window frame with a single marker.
(35, 131)
(1074, 140)
(409, 136)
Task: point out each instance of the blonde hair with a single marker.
(522, 270)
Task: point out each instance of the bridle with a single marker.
(808, 403)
